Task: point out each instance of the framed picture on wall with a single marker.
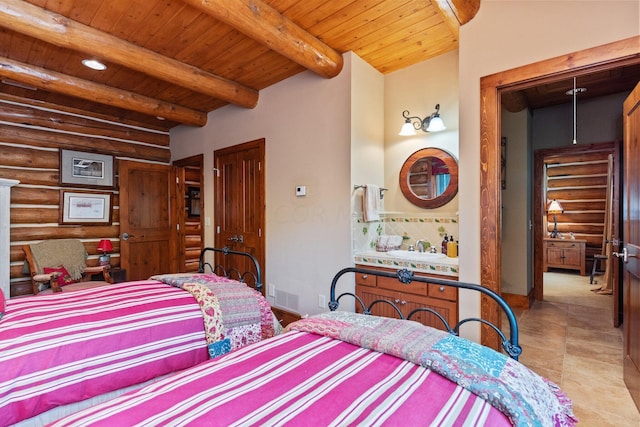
(78, 168)
(85, 208)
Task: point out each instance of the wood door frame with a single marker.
(605, 57)
(194, 161)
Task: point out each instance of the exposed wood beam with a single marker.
(95, 92)
(50, 27)
(457, 12)
(266, 25)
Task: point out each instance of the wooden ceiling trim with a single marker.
(53, 28)
(266, 25)
(50, 80)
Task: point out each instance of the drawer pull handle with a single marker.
(403, 302)
(364, 276)
(396, 300)
(441, 288)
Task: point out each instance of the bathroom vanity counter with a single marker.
(444, 266)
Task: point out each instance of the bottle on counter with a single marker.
(444, 245)
(452, 248)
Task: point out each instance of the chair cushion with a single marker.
(64, 278)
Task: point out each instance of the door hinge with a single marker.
(178, 227)
(259, 232)
(177, 180)
(216, 171)
(217, 229)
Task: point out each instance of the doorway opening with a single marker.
(607, 57)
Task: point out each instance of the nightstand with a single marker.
(569, 254)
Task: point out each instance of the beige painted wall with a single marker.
(309, 124)
(505, 35)
(418, 89)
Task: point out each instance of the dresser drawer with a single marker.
(443, 292)
(366, 279)
(391, 284)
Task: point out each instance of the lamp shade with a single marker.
(555, 207)
(105, 245)
(436, 124)
(407, 129)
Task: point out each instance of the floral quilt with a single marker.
(234, 314)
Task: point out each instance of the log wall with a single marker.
(578, 179)
(31, 136)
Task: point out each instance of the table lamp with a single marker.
(105, 246)
(555, 208)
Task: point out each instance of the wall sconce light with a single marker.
(555, 208)
(432, 123)
(105, 246)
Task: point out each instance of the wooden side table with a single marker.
(567, 254)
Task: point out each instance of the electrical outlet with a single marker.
(322, 301)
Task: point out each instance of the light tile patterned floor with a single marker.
(570, 339)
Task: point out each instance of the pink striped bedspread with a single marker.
(69, 346)
(297, 378)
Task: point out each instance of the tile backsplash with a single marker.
(428, 227)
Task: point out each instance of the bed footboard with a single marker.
(510, 345)
(231, 273)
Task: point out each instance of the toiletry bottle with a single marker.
(444, 245)
(452, 252)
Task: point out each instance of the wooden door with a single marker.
(239, 202)
(147, 244)
(631, 226)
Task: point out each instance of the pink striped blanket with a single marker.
(65, 347)
(297, 378)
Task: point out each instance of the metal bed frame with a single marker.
(510, 345)
(221, 271)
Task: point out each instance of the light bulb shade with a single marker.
(555, 207)
(436, 124)
(407, 129)
(105, 245)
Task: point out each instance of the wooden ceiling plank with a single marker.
(359, 16)
(56, 29)
(266, 25)
(62, 83)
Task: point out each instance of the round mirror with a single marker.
(429, 178)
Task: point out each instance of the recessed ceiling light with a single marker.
(94, 64)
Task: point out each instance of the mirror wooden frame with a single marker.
(448, 194)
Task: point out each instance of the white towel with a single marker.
(371, 203)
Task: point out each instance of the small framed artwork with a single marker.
(78, 168)
(85, 208)
(193, 201)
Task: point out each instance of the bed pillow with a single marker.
(64, 278)
(2, 304)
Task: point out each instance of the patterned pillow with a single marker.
(64, 278)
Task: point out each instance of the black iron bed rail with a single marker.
(220, 270)
(510, 345)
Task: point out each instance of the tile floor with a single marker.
(569, 338)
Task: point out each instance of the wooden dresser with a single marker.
(568, 254)
(408, 297)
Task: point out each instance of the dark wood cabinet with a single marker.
(408, 297)
(567, 254)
